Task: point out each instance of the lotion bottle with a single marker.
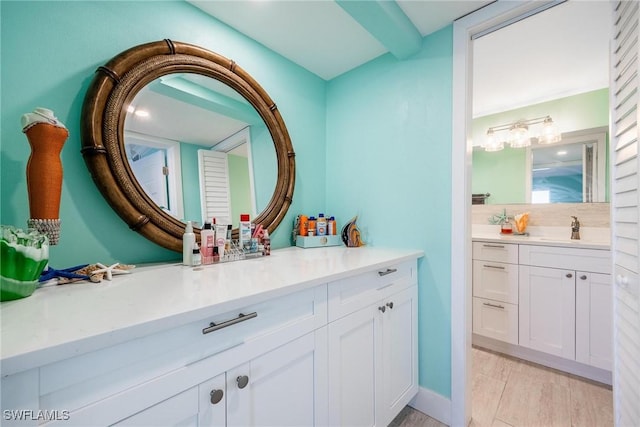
(188, 240)
(207, 242)
(244, 231)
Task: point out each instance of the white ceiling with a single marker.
(559, 52)
(320, 35)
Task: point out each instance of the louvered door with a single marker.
(624, 154)
(215, 192)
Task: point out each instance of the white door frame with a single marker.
(494, 15)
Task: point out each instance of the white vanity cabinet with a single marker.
(372, 335)
(550, 304)
(264, 343)
(566, 303)
(495, 291)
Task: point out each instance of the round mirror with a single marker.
(199, 150)
(172, 132)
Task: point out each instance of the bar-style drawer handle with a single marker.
(493, 305)
(494, 246)
(241, 318)
(493, 266)
(387, 271)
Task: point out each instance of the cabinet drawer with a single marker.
(496, 281)
(79, 381)
(497, 320)
(591, 260)
(498, 252)
(353, 293)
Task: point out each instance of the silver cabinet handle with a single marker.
(493, 266)
(493, 305)
(242, 381)
(569, 275)
(387, 271)
(241, 318)
(216, 396)
(494, 246)
(382, 308)
(390, 305)
(583, 277)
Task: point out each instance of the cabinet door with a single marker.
(178, 411)
(213, 402)
(399, 349)
(547, 310)
(594, 319)
(277, 388)
(355, 354)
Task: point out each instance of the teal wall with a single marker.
(389, 161)
(49, 52)
(374, 142)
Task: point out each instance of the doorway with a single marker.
(466, 30)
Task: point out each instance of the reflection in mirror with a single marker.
(571, 171)
(199, 149)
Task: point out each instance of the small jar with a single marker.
(312, 232)
(506, 228)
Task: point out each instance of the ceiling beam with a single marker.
(386, 21)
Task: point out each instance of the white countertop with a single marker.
(591, 237)
(58, 322)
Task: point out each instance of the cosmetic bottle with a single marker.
(227, 242)
(188, 240)
(196, 257)
(266, 243)
(331, 226)
(244, 234)
(311, 231)
(321, 225)
(207, 243)
(304, 225)
(221, 238)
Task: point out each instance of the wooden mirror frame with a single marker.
(113, 88)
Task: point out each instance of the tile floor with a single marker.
(509, 392)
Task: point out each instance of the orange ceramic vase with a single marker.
(44, 169)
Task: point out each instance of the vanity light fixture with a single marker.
(518, 135)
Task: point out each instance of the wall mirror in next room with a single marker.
(572, 170)
(173, 132)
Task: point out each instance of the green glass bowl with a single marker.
(11, 289)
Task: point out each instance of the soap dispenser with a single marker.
(188, 240)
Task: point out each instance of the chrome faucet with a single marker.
(575, 228)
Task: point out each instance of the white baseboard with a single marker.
(433, 404)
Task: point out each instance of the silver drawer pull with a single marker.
(387, 271)
(241, 318)
(493, 305)
(494, 246)
(493, 266)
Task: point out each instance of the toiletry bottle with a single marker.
(244, 231)
(221, 238)
(312, 226)
(304, 225)
(266, 242)
(321, 225)
(188, 240)
(331, 226)
(196, 257)
(207, 242)
(227, 242)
